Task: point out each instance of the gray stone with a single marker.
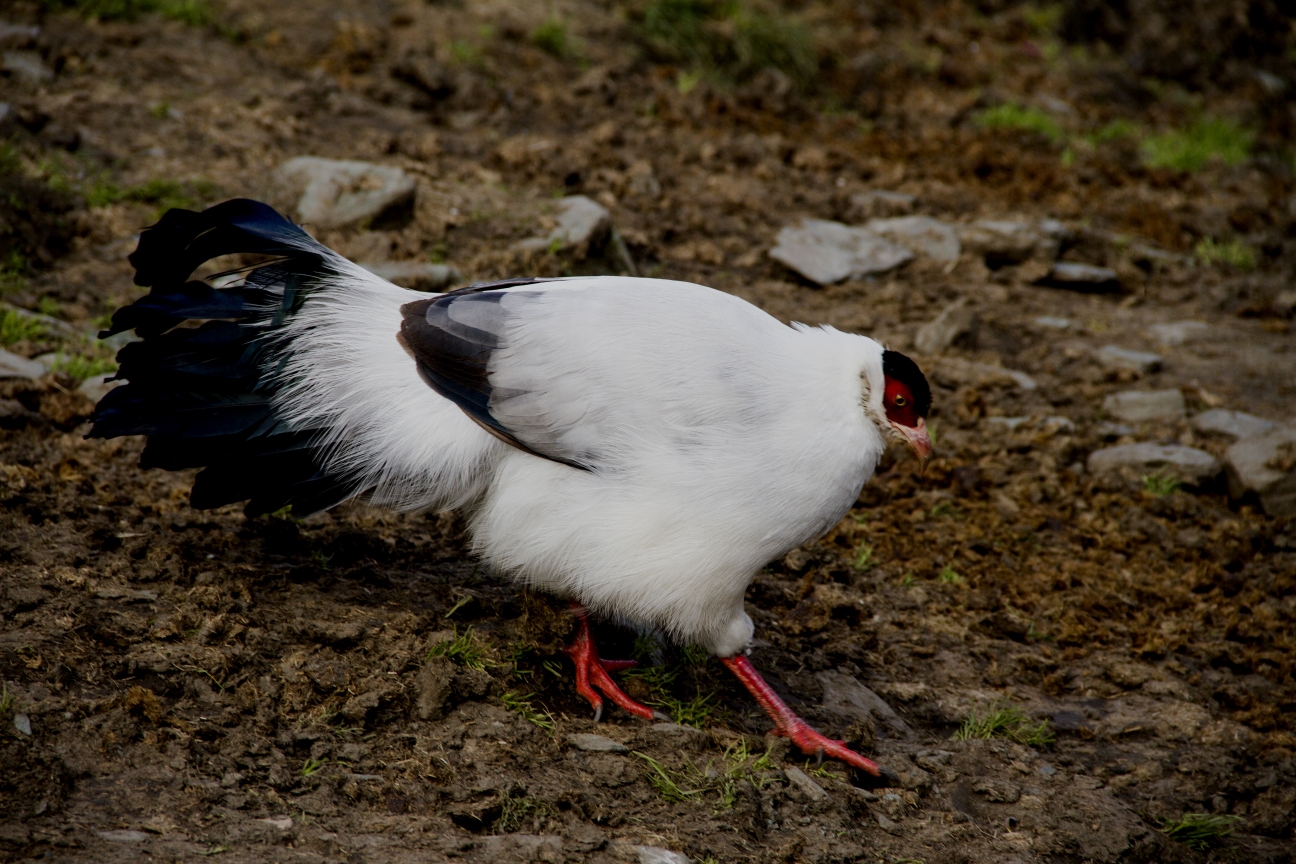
(331, 193)
(96, 387)
(17, 35)
(658, 855)
(802, 781)
(1137, 406)
(1263, 464)
(1139, 361)
(596, 743)
(1188, 463)
(955, 371)
(1084, 277)
(886, 824)
(921, 235)
(880, 202)
(846, 697)
(1239, 424)
(1113, 430)
(416, 275)
(13, 366)
(826, 252)
(22, 723)
(27, 65)
(123, 836)
(955, 322)
(583, 225)
(675, 729)
(1009, 423)
(1053, 323)
(1178, 332)
(1002, 241)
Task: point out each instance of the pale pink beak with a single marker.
(916, 438)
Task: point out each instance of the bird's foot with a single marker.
(787, 724)
(592, 675)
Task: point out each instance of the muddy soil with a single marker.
(183, 685)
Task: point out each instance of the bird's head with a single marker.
(900, 409)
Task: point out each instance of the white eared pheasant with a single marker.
(640, 447)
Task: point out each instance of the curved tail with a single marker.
(203, 392)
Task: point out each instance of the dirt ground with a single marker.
(354, 687)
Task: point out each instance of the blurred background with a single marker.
(1078, 218)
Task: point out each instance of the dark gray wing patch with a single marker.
(451, 338)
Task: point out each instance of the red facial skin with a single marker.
(899, 404)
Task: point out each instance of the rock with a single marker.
(279, 823)
(15, 415)
(1189, 464)
(826, 252)
(596, 743)
(1137, 406)
(27, 65)
(658, 855)
(846, 697)
(675, 729)
(1239, 424)
(13, 366)
(999, 791)
(416, 275)
(1009, 423)
(1178, 332)
(1112, 430)
(880, 202)
(955, 323)
(22, 723)
(642, 181)
(1139, 361)
(1265, 465)
(800, 780)
(432, 685)
(1083, 277)
(921, 235)
(1053, 323)
(331, 193)
(583, 225)
(1001, 242)
(96, 387)
(123, 836)
(886, 824)
(954, 371)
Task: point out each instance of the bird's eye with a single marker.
(901, 402)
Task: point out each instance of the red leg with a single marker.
(590, 670)
(788, 724)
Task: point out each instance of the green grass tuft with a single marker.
(517, 812)
(520, 703)
(727, 40)
(1234, 253)
(1011, 116)
(1160, 483)
(1191, 148)
(720, 782)
(196, 13)
(1200, 831)
(15, 327)
(949, 576)
(79, 367)
(1005, 721)
(464, 649)
(552, 38)
(864, 559)
(311, 767)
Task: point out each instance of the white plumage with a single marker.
(718, 437)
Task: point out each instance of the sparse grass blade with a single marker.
(1200, 831)
(521, 704)
(1234, 253)
(1160, 483)
(1005, 721)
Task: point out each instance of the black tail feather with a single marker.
(205, 394)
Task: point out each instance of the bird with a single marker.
(639, 447)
